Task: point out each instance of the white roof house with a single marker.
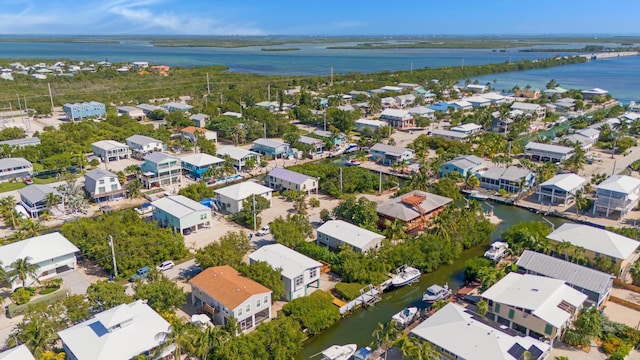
(20, 352)
(335, 233)
(469, 128)
(541, 295)
(565, 182)
(449, 325)
(179, 213)
(144, 143)
(230, 198)
(620, 183)
(617, 193)
(369, 124)
(595, 239)
(120, 333)
(560, 188)
(201, 159)
(238, 155)
(50, 252)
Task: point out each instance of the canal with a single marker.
(357, 327)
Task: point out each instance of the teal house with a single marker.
(181, 214)
(160, 169)
(336, 140)
(463, 165)
(198, 164)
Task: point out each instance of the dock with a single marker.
(609, 55)
(369, 295)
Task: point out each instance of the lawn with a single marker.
(10, 186)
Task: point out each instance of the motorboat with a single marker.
(405, 275)
(497, 250)
(339, 352)
(476, 195)
(436, 292)
(353, 162)
(406, 316)
(364, 353)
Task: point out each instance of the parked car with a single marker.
(140, 274)
(263, 231)
(166, 265)
(186, 231)
(28, 181)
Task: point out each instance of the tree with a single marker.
(552, 84)
(263, 273)
(104, 295)
(325, 215)
(314, 312)
(488, 276)
(22, 269)
(292, 231)
(634, 270)
(8, 211)
(361, 212)
(413, 347)
(229, 250)
(395, 230)
(162, 294)
(134, 188)
(180, 336)
(245, 216)
(473, 266)
(482, 307)
(281, 337)
(386, 334)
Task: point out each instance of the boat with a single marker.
(497, 250)
(338, 352)
(353, 162)
(436, 292)
(476, 195)
(405, 275)
(406, 316)
(364, 353)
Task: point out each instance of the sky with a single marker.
(311, 17)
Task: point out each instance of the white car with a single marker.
(263, 231)
(166, 266)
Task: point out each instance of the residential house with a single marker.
(388, 102)
(477, 88)
(79, 111)
(584, 142)
(15, 168)
(282, 179)
(147, 108)
(144, 144)
(405, 100)
(560, 189)
(478, 101)
(618, 193)
(181, 213)
(389, 155)
(232, 113)
(21, 143)
(416, 210)
(595, 284)
(162, 70)
(140, 64)
(450, 135)
(510, 179)
(532, 94)
(200, 120)
(469, 128)
(314, 145)
(597, 243)
(369, 125)
(535, 110)
(335, 233)
(347, 108)
(546, 152)
(463, 165)
(197, 165)
(595, 93)
(270, 147)
(422, 111)
(20, 352)
(536, 306)
(555, 91)
(299, 272)
(589, 133)
(176, 106)
(231, 198)
(131, 111)
(335, 139)
(409, 86)
(441, 106)
(398, 119)
(102, 185)
(482, 339)
(52, 253)
(268, 105)
(192, 133)
(391, 88)
(159, 169)
(224, 293)
(110, 150)
(33, 198)
(461, 105)
(496, 99)
(239, 156)
(120, 333)
(565, 105)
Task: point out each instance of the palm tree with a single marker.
(23, 269)
(386, 335)
(413, 347)
(52, 199)
(395, 230)
(562, 248)
(27, 228)
(8, 211)
(178, 336)
(134, 189)
(634, 271)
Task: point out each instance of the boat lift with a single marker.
(369, 295)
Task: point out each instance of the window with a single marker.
(258, 303)
(240, 311)
(266, 300)
(101, 181)
(548, 329)
(299, 280)
(313, 273)
(101, 189)
(511, 313)
(496, 309)
(247, 308)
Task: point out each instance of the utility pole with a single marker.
(208, 88)
(254, 213)
(19, 104)
(264, 125)
(340, 179)
(380, 182)
(269, 92)
(411, 69)
(463, 63)
(325, 120)
(50, 96)
(113, 254)
(332, 76)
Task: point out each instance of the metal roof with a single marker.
(595, 239)
(532, 145)
(619, 183)
(109, 144)
(21, 142)
(397, 209)
(465, 161)
(97, 174)
(201, 159)
(178, 205)
(290, 261)
(243, 190)
(20, 352)
(142, 140)
(7, 163)
(235, 152)
(565, 182)
(158, 157)
(39, 248)
(574, 274)
(288, 175)
(447, 133)
(349, 233)
(270, 143)
(389, 149)
(35, 193)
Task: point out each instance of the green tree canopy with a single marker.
(228, 250)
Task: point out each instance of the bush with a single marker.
(314, 203)
(348, 291)
(315, 312)
(48, 290)
(21, 296)
(15, 310)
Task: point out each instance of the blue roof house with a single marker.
(271, 147)
(160, 169)
(84, 110)
(462, 164)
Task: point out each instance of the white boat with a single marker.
(497, 250)
(405, 275)
(476, 195)
(436, 292)
(353, 162)
(406, 316)
(339, 352)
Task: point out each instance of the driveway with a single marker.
(75, 282)
(186, 270)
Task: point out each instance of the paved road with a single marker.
(186, 270)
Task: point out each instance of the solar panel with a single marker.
(535, 352)
(516, 351)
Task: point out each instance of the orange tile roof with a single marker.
(193, 129)
(227, 285)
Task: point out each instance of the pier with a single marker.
(369, 295)
(609, 55)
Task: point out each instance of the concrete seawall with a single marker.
(609, 55)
